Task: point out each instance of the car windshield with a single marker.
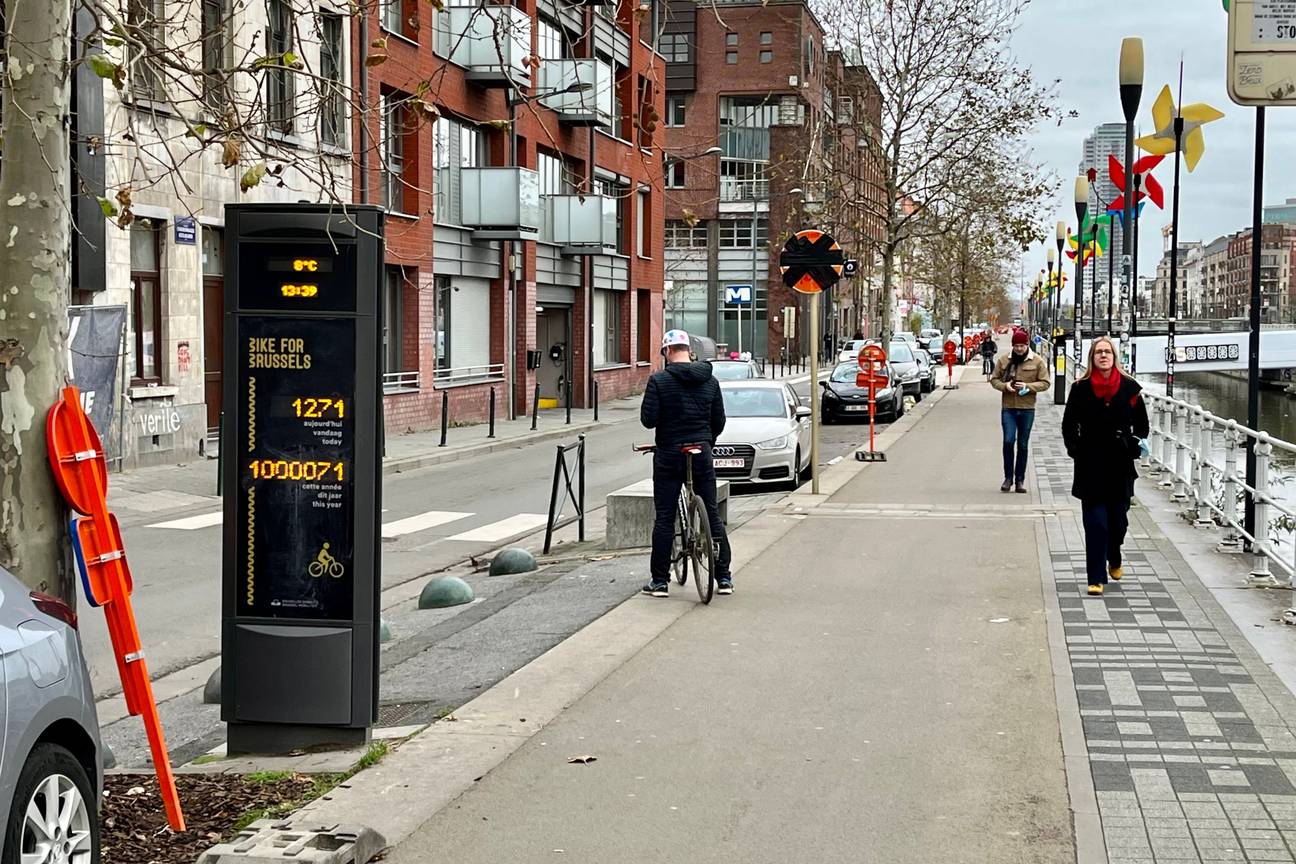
(731, 370)
(901, 352)
(854, 346)
(845, 373)
(754, 402)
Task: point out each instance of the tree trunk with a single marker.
(884, 302)
(35, 235)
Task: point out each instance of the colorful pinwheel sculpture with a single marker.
(1151, 188)
(1195, 116)
(1093, 230)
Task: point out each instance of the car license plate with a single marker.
(729, 463)
(856, 407)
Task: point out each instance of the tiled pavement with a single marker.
(1189, 734)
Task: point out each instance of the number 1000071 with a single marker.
(291, 469)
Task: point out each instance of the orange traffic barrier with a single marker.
(77, 459)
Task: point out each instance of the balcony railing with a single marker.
(468, 374)
(500, 203)
(580, 90)
(583, 224)
(401, 382)
(491, 42)
(732, 189)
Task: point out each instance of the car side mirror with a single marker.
(823, 384)
(802, 412)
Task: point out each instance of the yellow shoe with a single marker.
(1116, 573)
(1095, 590)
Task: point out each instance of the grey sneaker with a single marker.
(1006, 487)
(657, 589)
(724, 586)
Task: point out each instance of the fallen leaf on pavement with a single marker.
(582, 760)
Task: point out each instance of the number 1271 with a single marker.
(313, 408)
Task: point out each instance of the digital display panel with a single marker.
(310, 277)
(295, 449)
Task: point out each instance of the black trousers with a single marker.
(1105, 524)
(668, 479)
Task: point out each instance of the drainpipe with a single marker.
(364, 106)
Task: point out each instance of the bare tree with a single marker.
(950, 90)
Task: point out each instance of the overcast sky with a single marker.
(1079, 43)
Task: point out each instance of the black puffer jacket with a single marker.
(683, 404)
(1097, 435)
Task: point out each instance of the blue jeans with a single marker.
(1017, 423)
(1105, 524)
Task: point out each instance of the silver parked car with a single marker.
(51, 764)
(767, 434)
(734, 370)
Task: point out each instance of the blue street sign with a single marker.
(186, 230)
(738, 293)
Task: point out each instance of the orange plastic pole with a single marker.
(122, 628)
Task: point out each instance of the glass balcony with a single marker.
(500, 203)
(579, 90)
(735, 189)
(583, 224)
(492, 43)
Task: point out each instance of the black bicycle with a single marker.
(692, 541)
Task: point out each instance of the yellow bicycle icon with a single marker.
(325, 563)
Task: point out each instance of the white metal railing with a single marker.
(401, 382)
(468, 374)
(1201, 458)
(732, 189)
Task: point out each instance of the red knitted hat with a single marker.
(1020, 337)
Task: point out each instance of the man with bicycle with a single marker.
(683, 404)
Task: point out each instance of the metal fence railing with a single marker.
(468, 374)
(1201, 459)
(401, 382)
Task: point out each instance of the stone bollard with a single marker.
(445, 591)
(512, 560)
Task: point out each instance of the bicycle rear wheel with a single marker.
(703, 550)
(678, 554)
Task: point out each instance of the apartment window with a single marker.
(731, 57)
(767, 56)
(767, 38)
(147, 17)
(392, 134)
(643, 230)
(554, 176)
(215, 53)
(809, 56)
(146, 300)
(731, 39)
(393, 16)
(618, 192)
(393, 285)
(213, 251)
(620, 93)
(737, 234)
(455, 145)
(674, 110)
(607, 327)
(332, 64)
(674, 47)
(643, 323)
(279, 40)
(550, 43)
(680, 235)
(675, 175)
(443, 291)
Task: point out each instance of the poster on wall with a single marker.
(94, 352)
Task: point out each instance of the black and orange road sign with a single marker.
(811, 262)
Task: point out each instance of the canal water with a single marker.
(1226, 396)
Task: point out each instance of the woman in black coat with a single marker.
(1104, 425)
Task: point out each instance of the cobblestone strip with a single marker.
(1189, 735)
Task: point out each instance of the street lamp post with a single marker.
(1081, 207)
(1052, 295)
(1131, 91)
(1059, 349)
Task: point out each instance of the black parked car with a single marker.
(842, 400)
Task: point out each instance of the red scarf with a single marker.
(1105, 388)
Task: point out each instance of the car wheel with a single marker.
(804, 474)
(53, 816)
(900, 409)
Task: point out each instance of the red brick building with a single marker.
(516, 149)
(1277, 263)
(790, 122)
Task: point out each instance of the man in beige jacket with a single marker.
(1019, 376)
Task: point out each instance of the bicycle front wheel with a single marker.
(702, 552)
(679, 553)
